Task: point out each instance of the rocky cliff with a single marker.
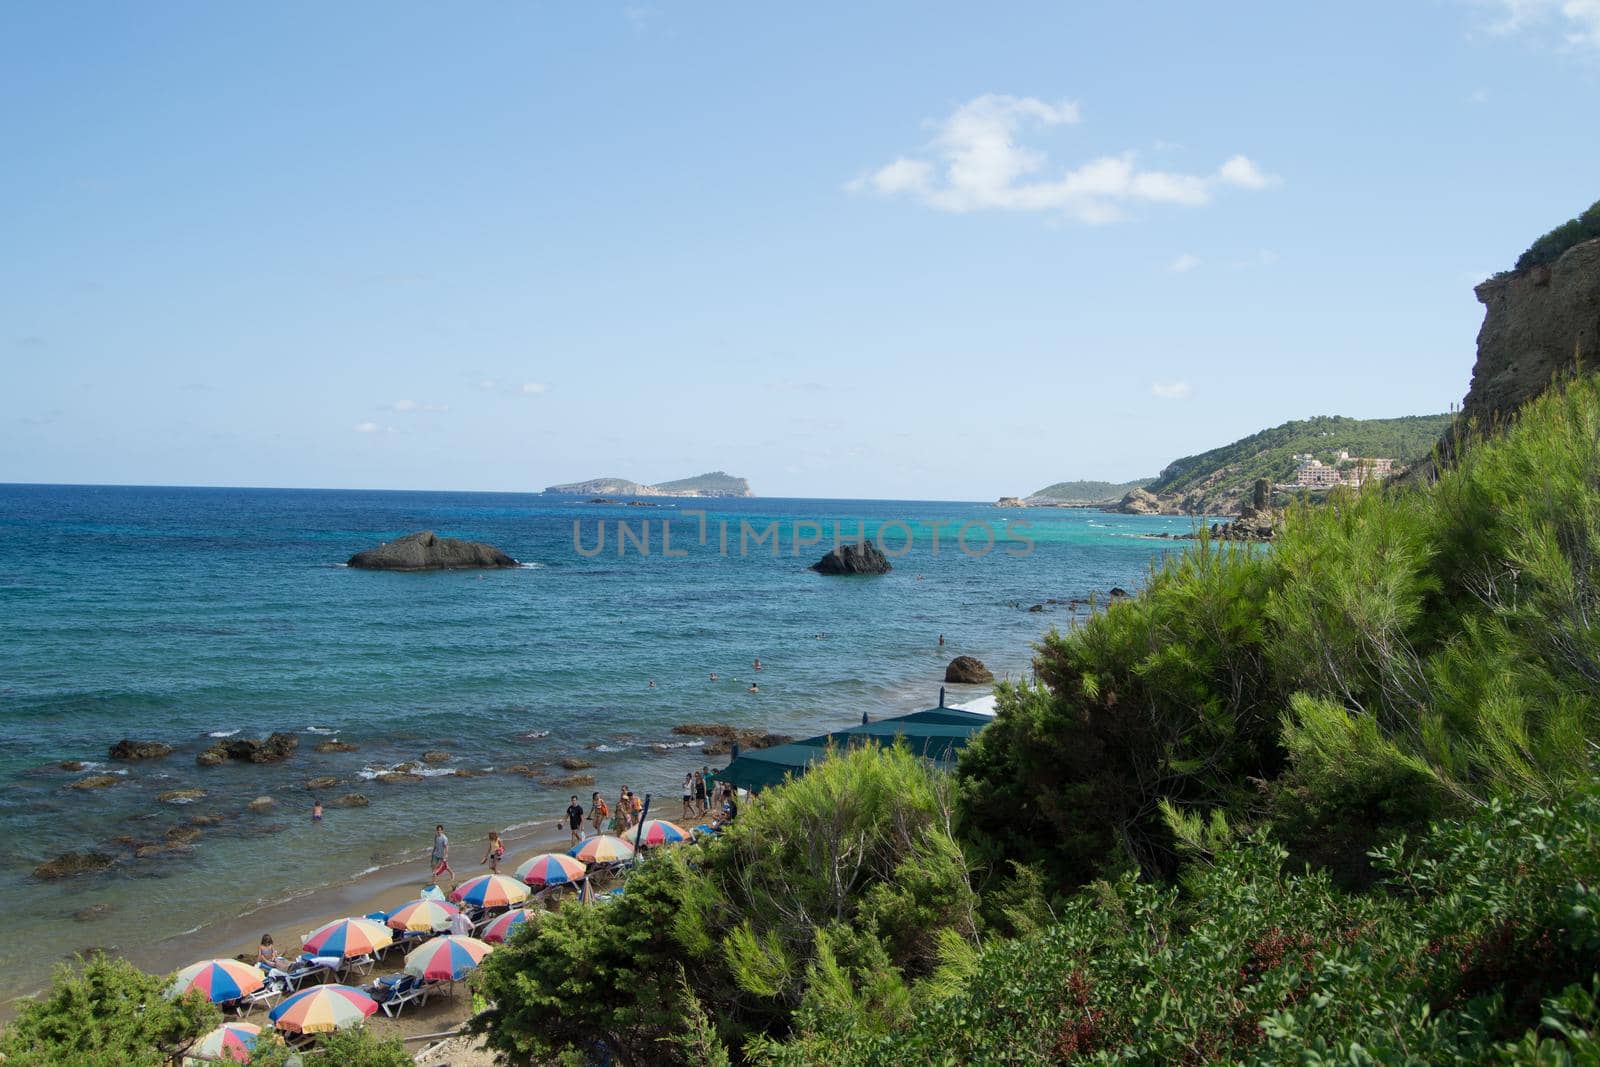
(1538, 322)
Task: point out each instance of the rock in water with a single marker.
(70, 863)
(426, 551)
(273, 749)
(967, 669)
(862, 557)
(129, 749)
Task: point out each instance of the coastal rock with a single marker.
(182, 835)
(861, 557)
(1037, 607)
(69, 864)
(94, 911)
(727, 735)
(129, 749)
(716, 748)
(336, 746)
(967, 670)
(522, 769)
(1139, 502)
(436, 756)
(572, 781)
(601, 500)
(1538, 323)
(274, 748)
(71, 765)
(573, 763)
(96, 781)
(426, 551)
(260, 804)
(327, 781)
(350, 800)
(159, 848)
(1117, 592)
(397, 777)
(468, 772)
(180, 796)
(206, 820)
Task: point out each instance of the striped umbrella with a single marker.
(348, 938)
(322, 1008)
(230, 1041)
(427, 916)
(490, 891)
(446, 959)
(550, 868)
(504, 926)
(602, 848)
(661, 832)
(220, 980)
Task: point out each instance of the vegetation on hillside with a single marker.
(1270, 453)
(713, 482)
(1091, 492)
(1548, 249)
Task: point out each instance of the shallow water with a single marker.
(184, 615)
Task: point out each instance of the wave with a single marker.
(532, 566)
(317, 730)
(222, 733)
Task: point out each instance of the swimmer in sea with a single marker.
(713, 676)
(316, 810)
(757, 664)
(753, 688)
(652, 683)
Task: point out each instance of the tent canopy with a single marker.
(936, 734)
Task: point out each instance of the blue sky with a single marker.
(906, 250)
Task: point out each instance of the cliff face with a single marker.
(1539, 323)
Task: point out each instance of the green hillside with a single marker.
(1090, 492)
(1270, 453)
(717, 482)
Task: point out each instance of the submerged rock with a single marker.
(436, 756)
(336, 746)
(69, 864)
(94, 911)
(854, 558)
(260, 804)
(573, 763)
(180, 796)
(96, 781)
(967, 670)
(327, 781)
(426, 551)
(350, 800)
(129, 749)
(572, 781)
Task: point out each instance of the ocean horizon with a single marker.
(186, 615)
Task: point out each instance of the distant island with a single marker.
(1303, 454)
(716, 483)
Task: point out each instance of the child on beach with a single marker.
(267, 955)
(496, 851)
(439, 858)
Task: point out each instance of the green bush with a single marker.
(1548, 248)
(105, 1012)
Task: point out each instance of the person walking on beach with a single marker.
(598, 812)
(636, 807)
(495, 852)
(575, 819)
(699, 792)
(440, 858)
(688, 795)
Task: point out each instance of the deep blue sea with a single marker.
(180, 615)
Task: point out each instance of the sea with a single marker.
(189, 615)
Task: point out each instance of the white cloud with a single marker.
(412, 407)
(533, 389)
(977, 163)
(1575, 22)
(1184, 264)
(496, 385)
(366, 427)
(1170, 390)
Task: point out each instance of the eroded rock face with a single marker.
(427, 551)
(967, 670)
(1538, 323)
(855, 558)
(129, 749)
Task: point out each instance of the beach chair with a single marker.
(263, 998)
(358, 965)
(394, 991)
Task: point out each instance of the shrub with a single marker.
(1548, 248)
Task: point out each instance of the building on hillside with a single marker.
(1311, 473)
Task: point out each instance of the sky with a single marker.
(891, 250)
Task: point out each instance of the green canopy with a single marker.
(936, 734)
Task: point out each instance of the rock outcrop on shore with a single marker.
(967, 670)
(862, 557)
(1538, 323)
(427, 551)
(274, 748)
(130, 750)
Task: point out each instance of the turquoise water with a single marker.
(178, 614)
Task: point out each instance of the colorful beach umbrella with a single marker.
(490, 891)
(504, 926)
(220, 980)
(321, 1009)
(660, 832)
(230, 1041)
(550, 868)
(602, 848)
(446, 959)
(427, 916)
(349, 938)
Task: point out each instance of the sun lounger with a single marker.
(263, 998)
(358, 965)
(393, 992)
